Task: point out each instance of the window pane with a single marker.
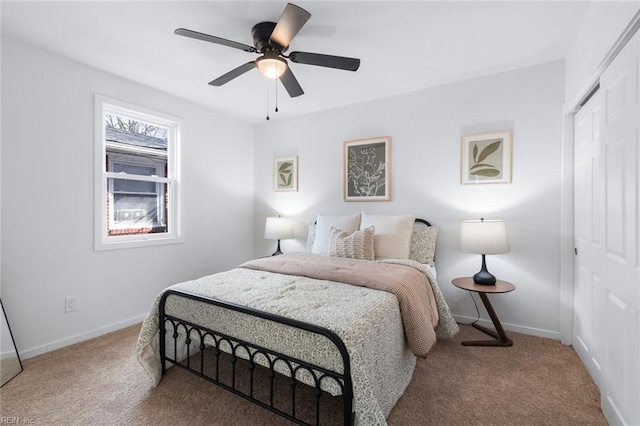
(136, 212)
(134, 187)
(135, 133)
(133, 169)
(136, 164)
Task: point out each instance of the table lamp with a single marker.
(278, 228)
(484, 237)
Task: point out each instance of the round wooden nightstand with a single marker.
(501, 339)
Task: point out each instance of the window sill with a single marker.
(130, 241)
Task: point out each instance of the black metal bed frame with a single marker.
(252, 351)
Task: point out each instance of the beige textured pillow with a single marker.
(356, 245)
(393, 234)
(423, 244)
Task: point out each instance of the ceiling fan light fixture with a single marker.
(271, 66)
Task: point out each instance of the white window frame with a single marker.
(102, 240)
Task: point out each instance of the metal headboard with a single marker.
(418, 220)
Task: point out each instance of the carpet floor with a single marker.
(536, 382)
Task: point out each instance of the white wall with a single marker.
(47, 202)
(426, 127)
(602, 26)
(1, 338)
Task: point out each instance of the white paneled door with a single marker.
(589, 290)
(618, 236)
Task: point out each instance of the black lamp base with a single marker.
(484, 277)
(278, 251)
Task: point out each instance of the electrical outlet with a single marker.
(70, 304)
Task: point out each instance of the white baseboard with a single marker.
(511, 327)
(7, 355)
(52, 346)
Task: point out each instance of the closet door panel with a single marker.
(588, 311)
(618, 180)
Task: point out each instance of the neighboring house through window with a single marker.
(137, 176)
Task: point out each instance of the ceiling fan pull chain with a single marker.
(267, 104)
(276, 80)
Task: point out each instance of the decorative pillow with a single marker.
(356, 244)
(393, 234)
(311, 236)
(423, 244)
(348, 223)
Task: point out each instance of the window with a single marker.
(137, 176)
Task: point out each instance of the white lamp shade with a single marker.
(278, 228)
(484, 237)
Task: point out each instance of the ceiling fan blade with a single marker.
(214, 39)
(290, 82)
(237, 72)
(339, 62)
(291, 21)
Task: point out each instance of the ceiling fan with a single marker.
(271, 40)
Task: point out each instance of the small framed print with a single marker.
(486, 158)
(367, 169)
(285, 174)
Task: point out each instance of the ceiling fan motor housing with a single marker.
(261, 32)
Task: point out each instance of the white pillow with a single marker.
(393, 234)
(348, 223)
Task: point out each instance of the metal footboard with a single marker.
(252, 352)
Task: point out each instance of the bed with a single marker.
(310, 316)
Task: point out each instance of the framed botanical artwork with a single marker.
(285, 174)
(486, 158)
(367, 169)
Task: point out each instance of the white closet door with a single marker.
(619, 267)
(588, 290)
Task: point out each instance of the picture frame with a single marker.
(367, 169)
(285, 174)
(486, 158)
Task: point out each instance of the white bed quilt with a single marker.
(368, 321)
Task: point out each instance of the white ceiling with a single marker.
(403, 46)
